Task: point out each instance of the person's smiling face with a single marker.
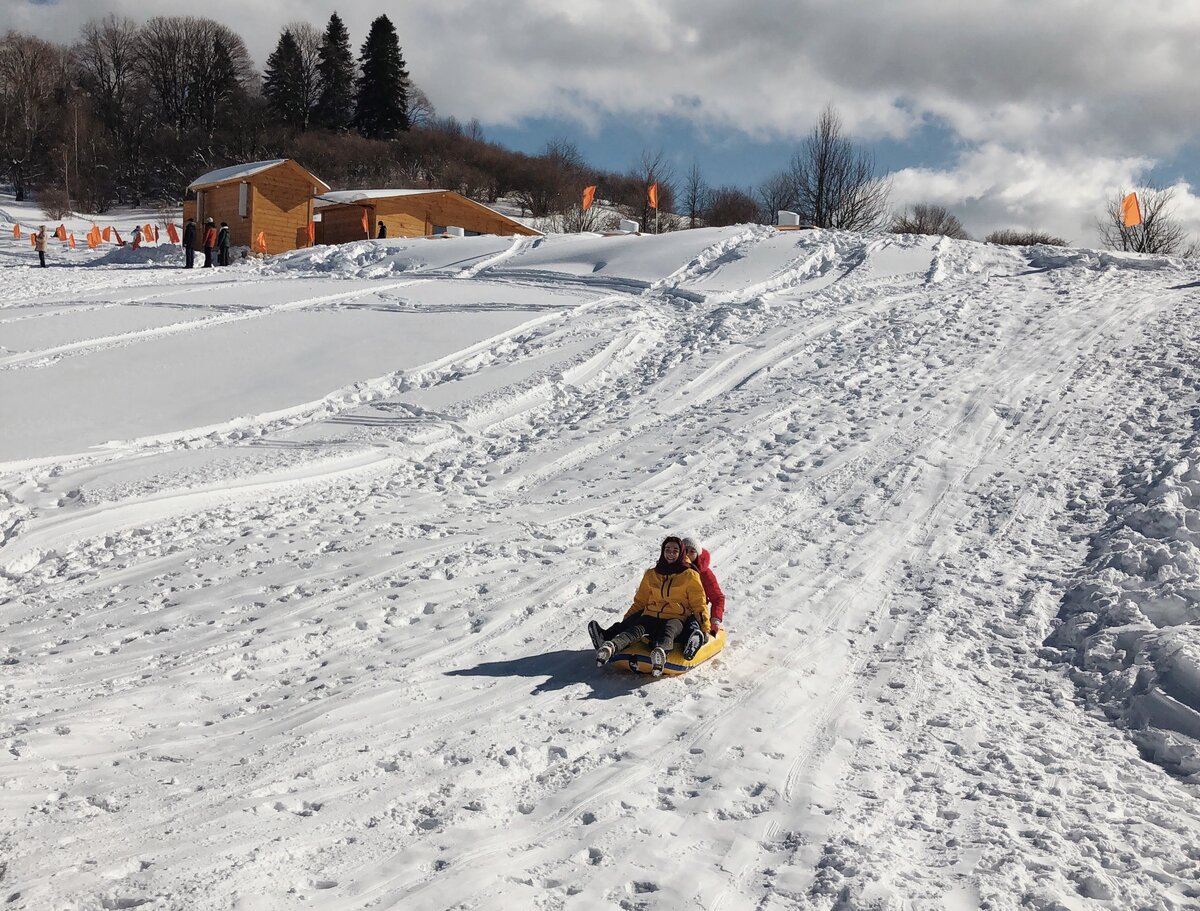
(671, 551)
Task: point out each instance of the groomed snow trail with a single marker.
(331, 653)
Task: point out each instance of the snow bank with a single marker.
(380, 258)
(146, 255)
(1131, 626)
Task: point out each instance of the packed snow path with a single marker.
(293, 603)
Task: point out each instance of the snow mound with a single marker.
(363, 259)
(146, 255)
(1043, 257)
(1132, 624)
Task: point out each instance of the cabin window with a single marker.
(244, 199)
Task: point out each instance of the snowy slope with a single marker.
(297, 556)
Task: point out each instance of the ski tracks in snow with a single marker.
(379, 610)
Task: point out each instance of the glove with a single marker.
(714, 627)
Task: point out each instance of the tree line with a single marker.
(131, 113)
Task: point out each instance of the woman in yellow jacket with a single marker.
(670, 594)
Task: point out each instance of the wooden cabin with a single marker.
(271, 197)
(407, 213)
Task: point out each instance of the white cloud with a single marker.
(994, 187)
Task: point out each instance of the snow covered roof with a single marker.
(348, 197)
(241, 171)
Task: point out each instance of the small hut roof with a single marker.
(242, 171)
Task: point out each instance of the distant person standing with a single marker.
(40, 244)
(382, 232)
(210, 241)
(137, 237)
(223, 244)
(189, 243)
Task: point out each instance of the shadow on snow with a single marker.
(561, 669)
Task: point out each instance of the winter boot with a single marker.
(694, 641)
(596, 633)
(658, 660)
(604, 654)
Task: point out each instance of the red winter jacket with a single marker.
(712, 589)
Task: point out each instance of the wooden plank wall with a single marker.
(445, 209)
(413, 216)
(281, 206)
(343, 224)
(221, 205)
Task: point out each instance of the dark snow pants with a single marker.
(662, 633)
(189, 257)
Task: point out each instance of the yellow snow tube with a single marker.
(636, 657)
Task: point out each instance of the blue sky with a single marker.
(726, 158)
(1011, 113)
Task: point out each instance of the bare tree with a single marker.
(1158, 233)
(653, 167)
(695, 195)
(553, 180)
(730, 206)
(308, 40)
(835, 182)
(106, 69)
(421, 112)
(929, 219)
(776, 194)
(32, 74)
(193, 68)
(1010, 237)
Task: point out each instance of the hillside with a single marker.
(297, 557)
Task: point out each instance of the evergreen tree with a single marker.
(335, 107)
(381, 99)
(282, 81)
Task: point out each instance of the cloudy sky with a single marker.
(1011, 113)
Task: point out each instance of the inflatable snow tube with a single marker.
(636, 657)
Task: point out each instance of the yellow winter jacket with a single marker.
(668, 596)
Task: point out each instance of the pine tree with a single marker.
(381, 99)
(335, 107)
(282, 81)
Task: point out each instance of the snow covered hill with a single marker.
(297, 555)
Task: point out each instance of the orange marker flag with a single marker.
(107, 235)
(17, 232)
(312, 233)
(654, 196)
(117, 235)
(60, 232)
(93, 238)
(172, 234)
(260, 242)
(1131, 212)
(366, 223)
(71, 239)
(33, 240)
(589, 194)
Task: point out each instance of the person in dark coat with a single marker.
(210, 241)
(223, 244)
(189, 243)
(382, 232)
